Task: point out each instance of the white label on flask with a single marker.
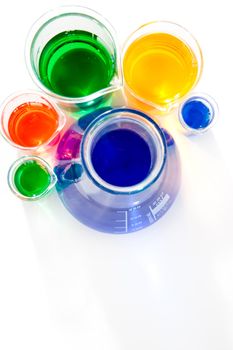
(158, 205)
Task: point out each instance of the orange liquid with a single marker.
(160, 68)
(32, 124)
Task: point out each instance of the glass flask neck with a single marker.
(131, 120)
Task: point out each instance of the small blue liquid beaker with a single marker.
(197, 113)
(142, 190)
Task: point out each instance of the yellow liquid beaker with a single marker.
(162, 62)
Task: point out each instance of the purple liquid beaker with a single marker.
(106, 206)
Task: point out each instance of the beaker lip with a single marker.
(117, 81)
(156, 171)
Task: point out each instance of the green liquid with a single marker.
(31, 179)
(75, 64)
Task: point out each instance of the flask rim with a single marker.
(145, 122)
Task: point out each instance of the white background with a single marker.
(64, 286)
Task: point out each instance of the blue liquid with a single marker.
(197, 114)
(121, 158)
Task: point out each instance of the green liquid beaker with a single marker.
(72, 55)
(31, 178)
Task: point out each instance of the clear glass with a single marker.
(206, 100)
(180, 33)
(68, 18)
(111, 208)
(24, 97)
(42, 163)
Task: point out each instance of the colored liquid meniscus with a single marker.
(75, 64)
(121, 157)
(31, 179)
(197, 113)
(32, 124)
(160, 68)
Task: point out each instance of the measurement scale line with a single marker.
(126, 221)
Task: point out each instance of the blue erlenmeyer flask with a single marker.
(122, 203)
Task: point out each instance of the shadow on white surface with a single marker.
(132, 291)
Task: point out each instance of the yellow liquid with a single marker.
(160, 68)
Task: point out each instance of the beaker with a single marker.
(72, 55)
(31, 178)
(197, 113)
(30, 121)
(162, 62)
(147, 181)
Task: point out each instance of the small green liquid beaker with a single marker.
(31, 178)
(72, 55)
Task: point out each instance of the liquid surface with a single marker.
(75, 64)
(31, 179)
(32, 124)
(160, 68)
(197, 114)
(121, 157)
